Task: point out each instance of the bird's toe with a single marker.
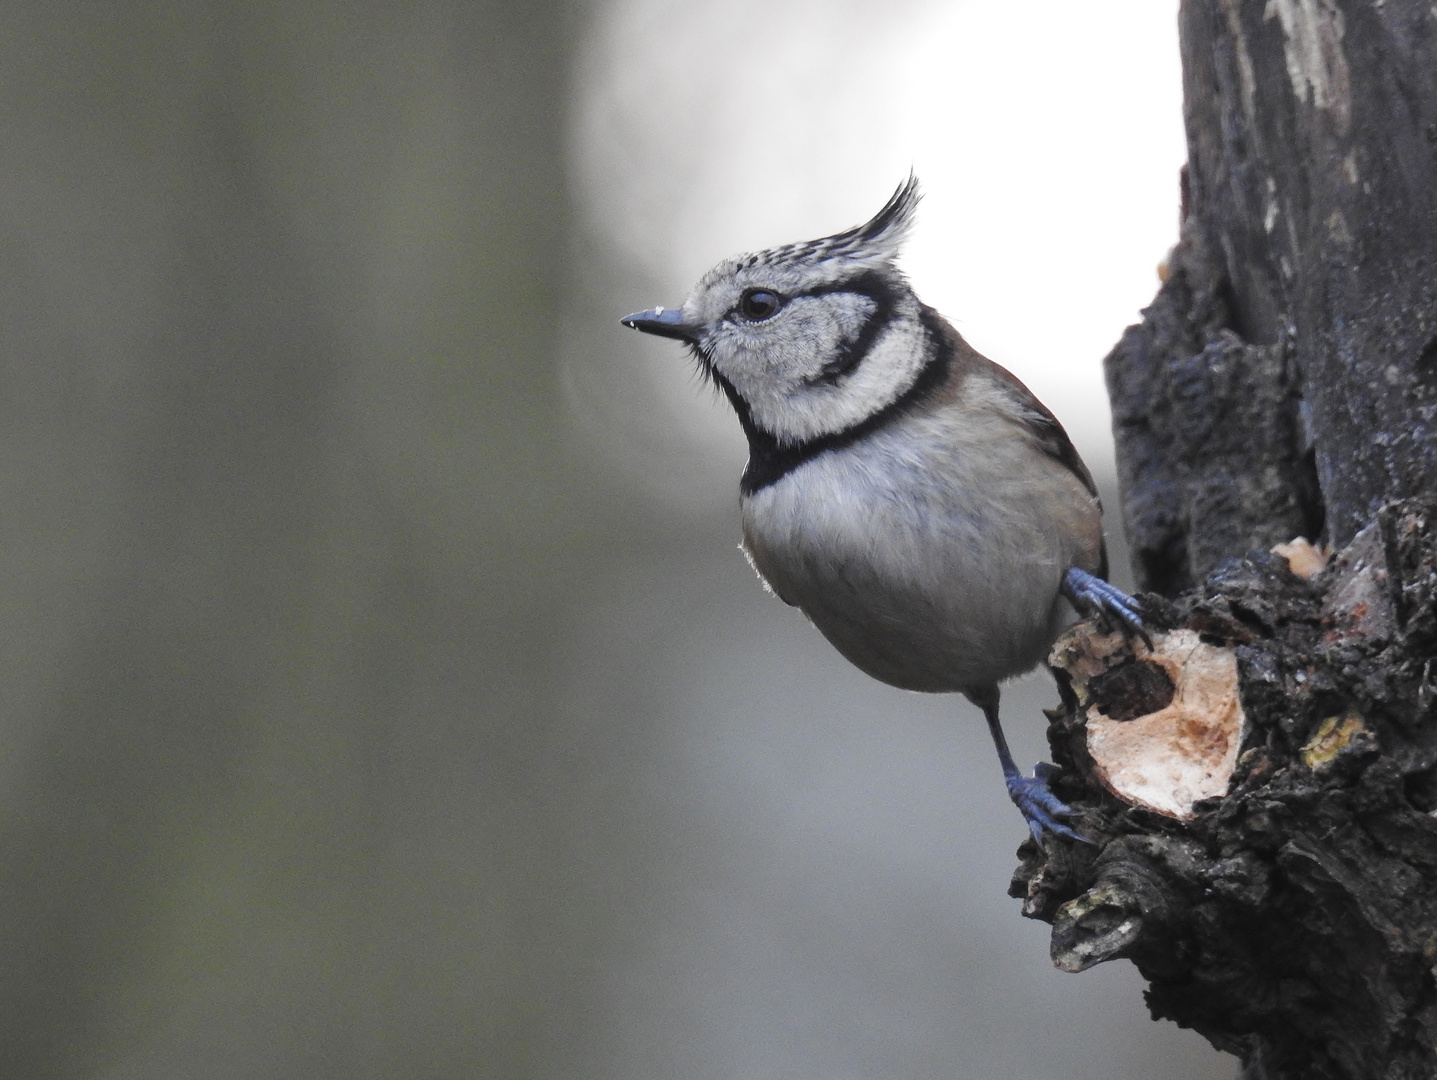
(1040, 808)
(1093, 594)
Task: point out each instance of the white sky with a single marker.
(1047, 136)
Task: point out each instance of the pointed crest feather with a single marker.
(876, 240)
(890, 225)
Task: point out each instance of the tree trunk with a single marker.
(1260, 781)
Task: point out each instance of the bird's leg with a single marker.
(1031, 794)
(1093, 595)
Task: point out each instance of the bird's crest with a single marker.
(876, 241)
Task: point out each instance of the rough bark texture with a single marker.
(1282, 384)
(1294, 920)
(1285, 378)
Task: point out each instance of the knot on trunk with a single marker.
(1260, 784)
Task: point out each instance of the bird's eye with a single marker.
(759, 304)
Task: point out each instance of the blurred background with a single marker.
(383, 693)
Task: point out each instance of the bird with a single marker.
(910, 496)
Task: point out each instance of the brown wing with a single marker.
(1047, 432)
(1054, 440)
(1046, 429)
(1032, 412)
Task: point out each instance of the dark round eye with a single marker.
(759, 304)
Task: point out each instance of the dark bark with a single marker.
(1292, 921)
(1285, 379)
(1282, 384)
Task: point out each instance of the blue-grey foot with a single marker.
(1041, 809)
(1031, 794)
(1093, 595)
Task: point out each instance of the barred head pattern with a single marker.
(877, 241)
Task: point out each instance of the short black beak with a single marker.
(664, 322)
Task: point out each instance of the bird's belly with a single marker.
(901, 634)
(933, 598)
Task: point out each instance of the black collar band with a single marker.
(769, 462)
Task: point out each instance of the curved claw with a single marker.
(1093, 594)
(1039, 806)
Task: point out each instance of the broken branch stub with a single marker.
(1163, 724)
(1260, 789)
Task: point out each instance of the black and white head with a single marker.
(809, 339)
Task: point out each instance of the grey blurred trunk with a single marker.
(1282, 384)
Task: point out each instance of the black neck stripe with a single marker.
(768, 462)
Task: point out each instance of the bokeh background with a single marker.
(383, 694)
